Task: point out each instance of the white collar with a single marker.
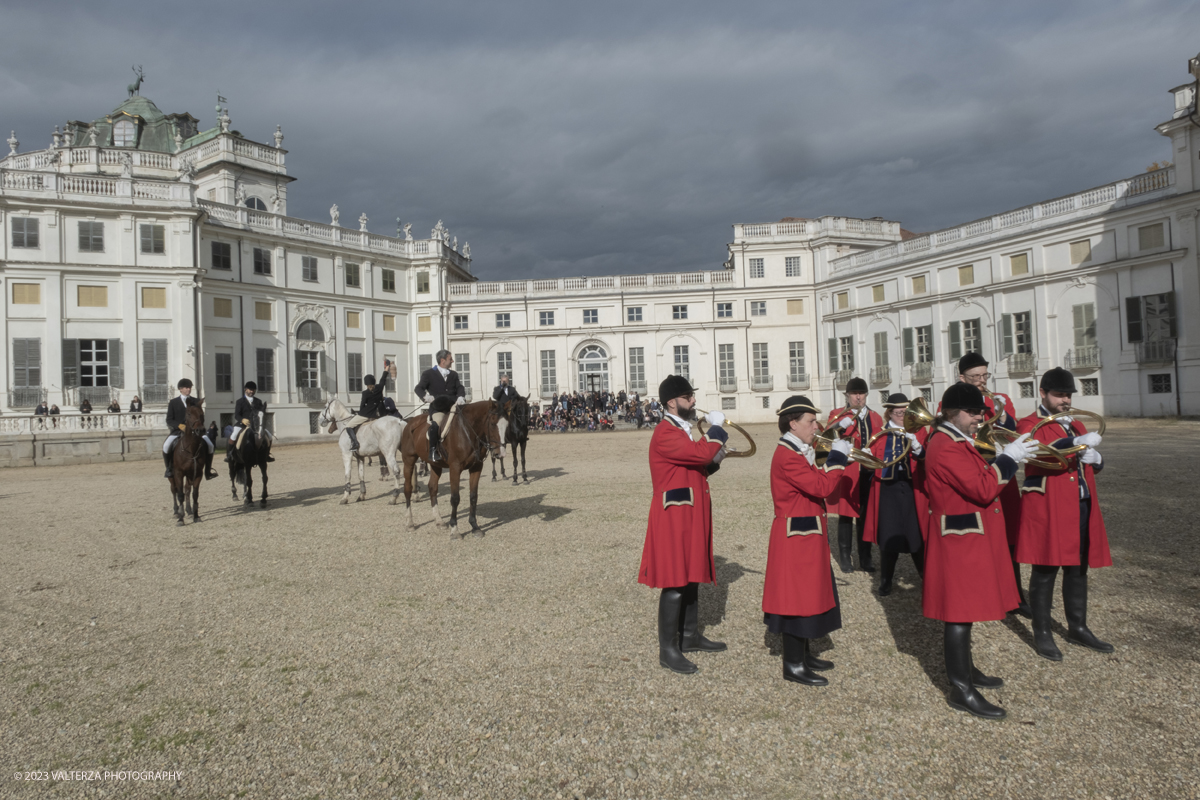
(892, 424)
(445, 372)
(806, 450)
(956, 430)
(687, 426)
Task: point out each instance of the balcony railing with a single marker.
(1022, 363)
(762, 383)
(548, 393)
(156, 394)
(842, 377)
(728, 384)
(640, 388)
(1087, 357)
(74, 423)
(1160, 352)
(26, 396)
(881, 376)
(798, 381)
(922, 371)
(312, 395)
(98, 396)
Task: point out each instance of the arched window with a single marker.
(310, 332)
(593, 369)
(124, 133)
(256, 204)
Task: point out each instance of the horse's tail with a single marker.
(240, 475)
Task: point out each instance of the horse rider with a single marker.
(371, 407)
(246, 408)
(177, 423)
(505, 391)
(439, 386)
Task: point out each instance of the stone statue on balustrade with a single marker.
(224, 120)
(363, 219)
(278, 136)
(334, 214)
(439, 231)
(408, 231)
(239, 195)
(126, 165)
(466, 251)
(455, 245)
(276, 203)
(92, 133)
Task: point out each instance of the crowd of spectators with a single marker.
(593, 411)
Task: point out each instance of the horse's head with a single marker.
(496, 429)
(194, 419)
(519, 419)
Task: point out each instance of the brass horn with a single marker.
(916, 416)
(1066, 451)
(997, 406)
(824, 440)
(733, 452)
(990, 440)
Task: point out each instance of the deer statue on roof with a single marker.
(135, 87)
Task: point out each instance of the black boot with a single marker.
(1075, 606)
(1041, 597)
(812, 662)
(435, 450)
(887, 563)
(864, 548)
(795, 662)
(963, 694)
(1023, 608)
(690, 638)
(981, 681)
(670, 607)
(167, 459)
(353, 440)
(270, 458)
(845, 535)
(229, 453)
(209, 472)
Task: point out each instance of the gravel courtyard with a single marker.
(311, 650)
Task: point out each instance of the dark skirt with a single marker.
(898, 530)
(813, 627)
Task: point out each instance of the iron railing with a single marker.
(1022, 363)
(155, 394)
(762, 383)
(1160, 352)
(728, 384)
(922, 371)
(881, 376)
(1087, 357)
(26, 396)
(798, 381)
(842, 377)
(312, 395)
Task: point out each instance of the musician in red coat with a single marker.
(678, 553)
(1061, 523)
(799, 597)
(897, 507)
(849, 501)
(967, 575)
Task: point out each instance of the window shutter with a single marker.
(1133, 319)
(850, 358)
(1006, 335)
(116, 364)
(70, 363)
(833, 356)
(328, 379)
(955, 341)
(908, 346)
(929, 337)
(299, 354)
(1171, 312)
(33, 361)
(21, 362)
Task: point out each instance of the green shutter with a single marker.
(1171, 312)
(908, 346)
(70, 363)
(932, 348)
(299, 354)
(1006, 335)
(1133, 319)
(116, 364)
(833, 356)
(955, 341)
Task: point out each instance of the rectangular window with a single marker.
(222, 256)
(503, 365)
(756, 268)
(877, 293)
(841, 300)
(1160, 384)
(918, 284)
(154, 368)
(766, 402)
(1150, 237)
(424, 324)
(422, 283)
(964, 338)
(728, 403)
(91, 237)
(26, 294)
(389, 323)
(224, 372)
(1026, 389)
(462, 365)
(791, 266)
(353, 275)
(925, 344)
(1081, 251)
(1083, 318)
(633, 314)
(637, 367)
(833, 355)
(1090, 386)
(881, 349)
(725, 371)
(972, 336)
(308, 268)
(154, 297)
(262, 261)
(262, 311)
(955, 336)
(591, 316)
(354, 372)
(1022, 332)
(759, 361)
(424, 362)
(795, 307)
(846, 352)
(724, 311)
(308, 370)
(927, 394)
(25, 234)
(545, 318)
(153, 239)
(389, 279)
(796, 360)
(679, 312)
(549, 372)
(1018, 264)
(460, 322)
(682, 365)
(353, 319)
(264, 358)
(503, 320)
(1150, 318)
(910, 350)
(758, 308)
(27, 364)
(92, 296)
(966, 275)
(93, 362)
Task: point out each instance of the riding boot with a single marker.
(981, 681)
(887, 569)
(353, 439)
(690, 638)
(845, 535)
(963, 695)
(670, 606)
(269, 458)
(168, 458)
(209, 472)
(812, 662)
(864, 548)
(229, 453)
(1023, 608)
(1075, 605)
(795, 662)
(1041, 598)
(435, 450)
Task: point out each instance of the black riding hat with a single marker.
(184, 383)
(674, 386)
(251, 385)
(368, 380)
(897, 400)
(962, 397)
(971, 361)
(797, 404)
(856, 386)
(1058, 380)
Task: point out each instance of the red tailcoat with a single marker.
(844, 501)
(1050, 507)
(917, 470)
(678, 548)
(1010, 497)
(968, 574)
(799, 582)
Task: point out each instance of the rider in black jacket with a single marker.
(177, 421)
(371, 406)
(246, 407)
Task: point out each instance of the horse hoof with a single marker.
(178, 523)
(477, 534)
(360, 498)
(343, 501)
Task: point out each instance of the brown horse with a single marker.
(476, 429)
(188, 465)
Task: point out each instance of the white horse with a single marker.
(378, 437)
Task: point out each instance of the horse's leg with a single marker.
(410, 463)
(455, 474)
(395, 469)
(494, 467)
(514, 449)
(262, 496)
(196, 497)
(362, 480)
(524, 474)
(476, 531)
(249, 484)
(346, 464)
(434, 474)
(176, 502)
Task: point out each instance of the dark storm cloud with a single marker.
(572, 139)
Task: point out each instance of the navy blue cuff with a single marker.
(837, 459)
(1009, 423)
(1006, 465)
(1064, 443)
(1097, 467)
(717, 434)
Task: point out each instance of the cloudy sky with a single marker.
(565, 138)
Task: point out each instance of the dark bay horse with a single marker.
(516, 412)
(188, 465)
(253, 453)
(476, 429)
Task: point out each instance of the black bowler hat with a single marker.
(251, 385)
(971, 361)
(797, 404)
(674, 386)
(896, 400)
(856, 385)
(184, 383)
(1058, 380)
(368, 380)
(963, 397)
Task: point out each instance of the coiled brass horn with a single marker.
(990, 440)
(733, 452)
(824, 440)
(916, 416)
(1066, 451)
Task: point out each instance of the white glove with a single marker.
(1091, 455)
(1090, 439)
(715, 418)
(916, 446)
(846, 422)
(462, 401)
(427, 398)
(720, 456)
(1021, 449)
(840, 446)
(1065, 421)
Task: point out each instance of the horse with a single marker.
(378, 437)
(187, 471)
(476, 429)
(253, 453)
(516, 411)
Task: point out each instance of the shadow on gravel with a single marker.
(714, 598)
(913, 634)
(540, 474)
(519, 508)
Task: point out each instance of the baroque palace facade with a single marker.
(139, 249)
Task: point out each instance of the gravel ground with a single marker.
(317, 650)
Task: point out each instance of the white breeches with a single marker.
(236, 434)
(170, 442)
